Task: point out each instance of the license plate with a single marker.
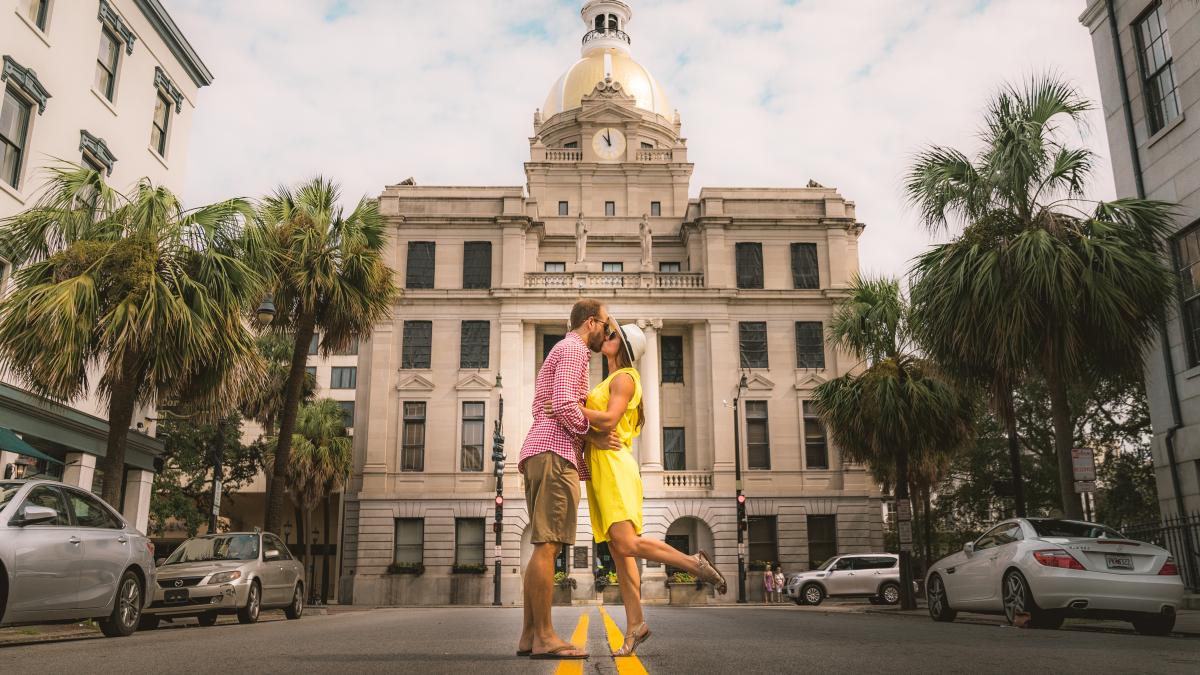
(1119, 562)
(175, 596)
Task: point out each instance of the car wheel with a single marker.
(938, 600)
(812, 594)
(148, 622)
(296, 609)
(889, 594)
(875, 600)
(1018, 599)
(249, 613)
(208, 619)
(1154, 624)
(127, 608)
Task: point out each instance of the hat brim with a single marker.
(625, 344)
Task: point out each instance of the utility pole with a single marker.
(741, 498)
(218, 456)
(498, 471)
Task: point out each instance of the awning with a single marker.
(13, 443)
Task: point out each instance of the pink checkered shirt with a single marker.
(563, 380)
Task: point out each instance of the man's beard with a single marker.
(595, 342)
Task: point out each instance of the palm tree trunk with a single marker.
(121, 404)
(287, 423)
(325, 555)
(1064, 438)
(927, 510)
(1009, 415)
(907, 601)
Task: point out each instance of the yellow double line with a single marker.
(626, 665)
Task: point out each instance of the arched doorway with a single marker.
(689, 535)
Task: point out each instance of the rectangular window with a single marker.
(418, 342)
(764, 543)
(656, 208)
(39, 11)
(14, 125)
(612, 267)
(548, 342)
(1187, 263)
(749, 263)
(805, 273)
(752, 338)
(106, 64)
(674, 450)
(816, 447)
(1158, 71)
(669, 267)
(610, 208)
(758, 436)
(822, 539)
(810, 344)
(343, 377)
(314, 344)
(92, 163)
(419, 272)
(647, 146)
(564, 209)
(472, 436)
(571, 145)
(474, 344)
(311, 371)
(351, 350)
(410, 541)
(468, 541)
(477, 264)
(412, 452)
(672, 358)
(162, 120)
(554, 267)
(347, 413)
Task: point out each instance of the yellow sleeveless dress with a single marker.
(615, 489)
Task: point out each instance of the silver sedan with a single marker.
(239, 573)
(65, 555)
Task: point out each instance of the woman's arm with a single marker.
(620, 392)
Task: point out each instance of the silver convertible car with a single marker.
(65, 555)
(239, 573)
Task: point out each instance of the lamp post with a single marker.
(218, 456)
(312, 565)
(266, 310)
(498, 458)
(741, 498)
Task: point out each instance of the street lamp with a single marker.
(737, 482)
(498, 458)
(266, 310)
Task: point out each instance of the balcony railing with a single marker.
(688, 480)
(655, 155)
(671, 280)
(564, 155)
(612, 34)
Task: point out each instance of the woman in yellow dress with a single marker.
(615, 489)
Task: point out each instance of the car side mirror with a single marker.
(969, 547)
(271, 554)
(33, 515)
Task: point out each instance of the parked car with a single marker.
(239, 573)
(868, 575)
(1050, 569)
(66, 555)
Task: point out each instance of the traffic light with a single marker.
(499, 500)
(741, 500)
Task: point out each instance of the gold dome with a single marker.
(581, 78)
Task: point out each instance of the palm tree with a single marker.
(263, 402)
(130, 296)
(326, 272)
(1034, 283)
(898, 410)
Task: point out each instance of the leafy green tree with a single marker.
(1034, 284)
(131, 296)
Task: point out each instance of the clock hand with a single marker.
(607, 139)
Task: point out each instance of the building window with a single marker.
(816, 447)
(347, 413)
(764, 542)
(610, 208)
(656, 208)
(477, 264)
(564, 209)
(14, 127)
(672, 358)
(418, 341)
(548, 342)
(314, 344)
(805, 273)
(669, 267)
(472, 436)
(674, 450)
(106, 64)
(162, 116)
(419, 272)
(410, 541)
(571, 145)
(349, 350)
(39, 13)
(612, 267)
(554, 267)
(749, 263)
(412, 452)
(758, 436)
(822, 539)
(1187, 261)
(343, 377)
(647, 145)
(474, 344)
(468, 541)
(95, 154)
(311, 371)
(810, 344)
(752, 338)
(1158, 71)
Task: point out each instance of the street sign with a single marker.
(905, 531)
(1083, 464)
(904, 509)
(742, 550)
(496, 551)
(1082, 486)
(217, 499)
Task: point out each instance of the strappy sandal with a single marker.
(632, 639)
(709, 574)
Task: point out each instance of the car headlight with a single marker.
(225, 577)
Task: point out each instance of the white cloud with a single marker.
(771, 92)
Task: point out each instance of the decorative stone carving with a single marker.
(109, 17)
(608, 89)
(580, 239)
(163, 82)
(647, 243)
(25, 79)
(814, 184)
(98, 149)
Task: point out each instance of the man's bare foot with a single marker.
(559, 647)
(525, 645)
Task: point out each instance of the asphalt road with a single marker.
(740, 640)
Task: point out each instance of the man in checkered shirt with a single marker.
(552, 463)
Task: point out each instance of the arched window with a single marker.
(599, 22)
(612, 22)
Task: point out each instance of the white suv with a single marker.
(868, 575)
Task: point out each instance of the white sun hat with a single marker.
(634, 340)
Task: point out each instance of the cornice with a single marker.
(26, 80)
(96, 147)
(187, 57)
(109, 17)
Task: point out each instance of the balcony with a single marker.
(610, 34)
(687, 480)
(631, 280)
(655, 155)
(564, 155)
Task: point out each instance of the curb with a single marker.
(56, 637)
(982, 620)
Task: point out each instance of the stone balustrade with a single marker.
(667, 280)
(564, 155)
(653, 155)
(687, 480)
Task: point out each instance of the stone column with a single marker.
(651, 382)
(376, 438)
(79, 470)
(511, 360)
(136, 509)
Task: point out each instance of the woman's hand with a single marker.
(605, 440)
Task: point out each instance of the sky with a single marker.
(770, 92)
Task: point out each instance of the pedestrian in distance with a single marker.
(779, 581)
(768, 584)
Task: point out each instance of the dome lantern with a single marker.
(605, 21)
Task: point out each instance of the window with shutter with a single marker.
(475, 341)
(472, 436)
(410, 541)
(477, 264)
(749, 262)
(805, 272)
(468, 541)
(419, 273)
(412, 451)
(418, 343)
(816, 447)
(672, 358)
(752, 337)
(810, 345)
(758, 443)
(674, 451)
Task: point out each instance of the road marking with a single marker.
(579, 639)
(626, 665)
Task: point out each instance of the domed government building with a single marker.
(733, 289)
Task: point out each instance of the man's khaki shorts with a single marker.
(552, 495)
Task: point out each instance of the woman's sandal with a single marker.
(708, 572)
(636, 636)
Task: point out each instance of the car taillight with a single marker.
(1169, 569)
(150, 548)
(1057, 557)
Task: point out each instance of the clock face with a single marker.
(609, 143)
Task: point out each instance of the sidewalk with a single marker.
(22, 635)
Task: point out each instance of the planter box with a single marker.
(754, 587)
(688, 595)
(563, 595)
(470, 589)
(611, 595)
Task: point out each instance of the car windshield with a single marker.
(827, 564)
(218, 547)
(1068, 528)
(7, 492)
